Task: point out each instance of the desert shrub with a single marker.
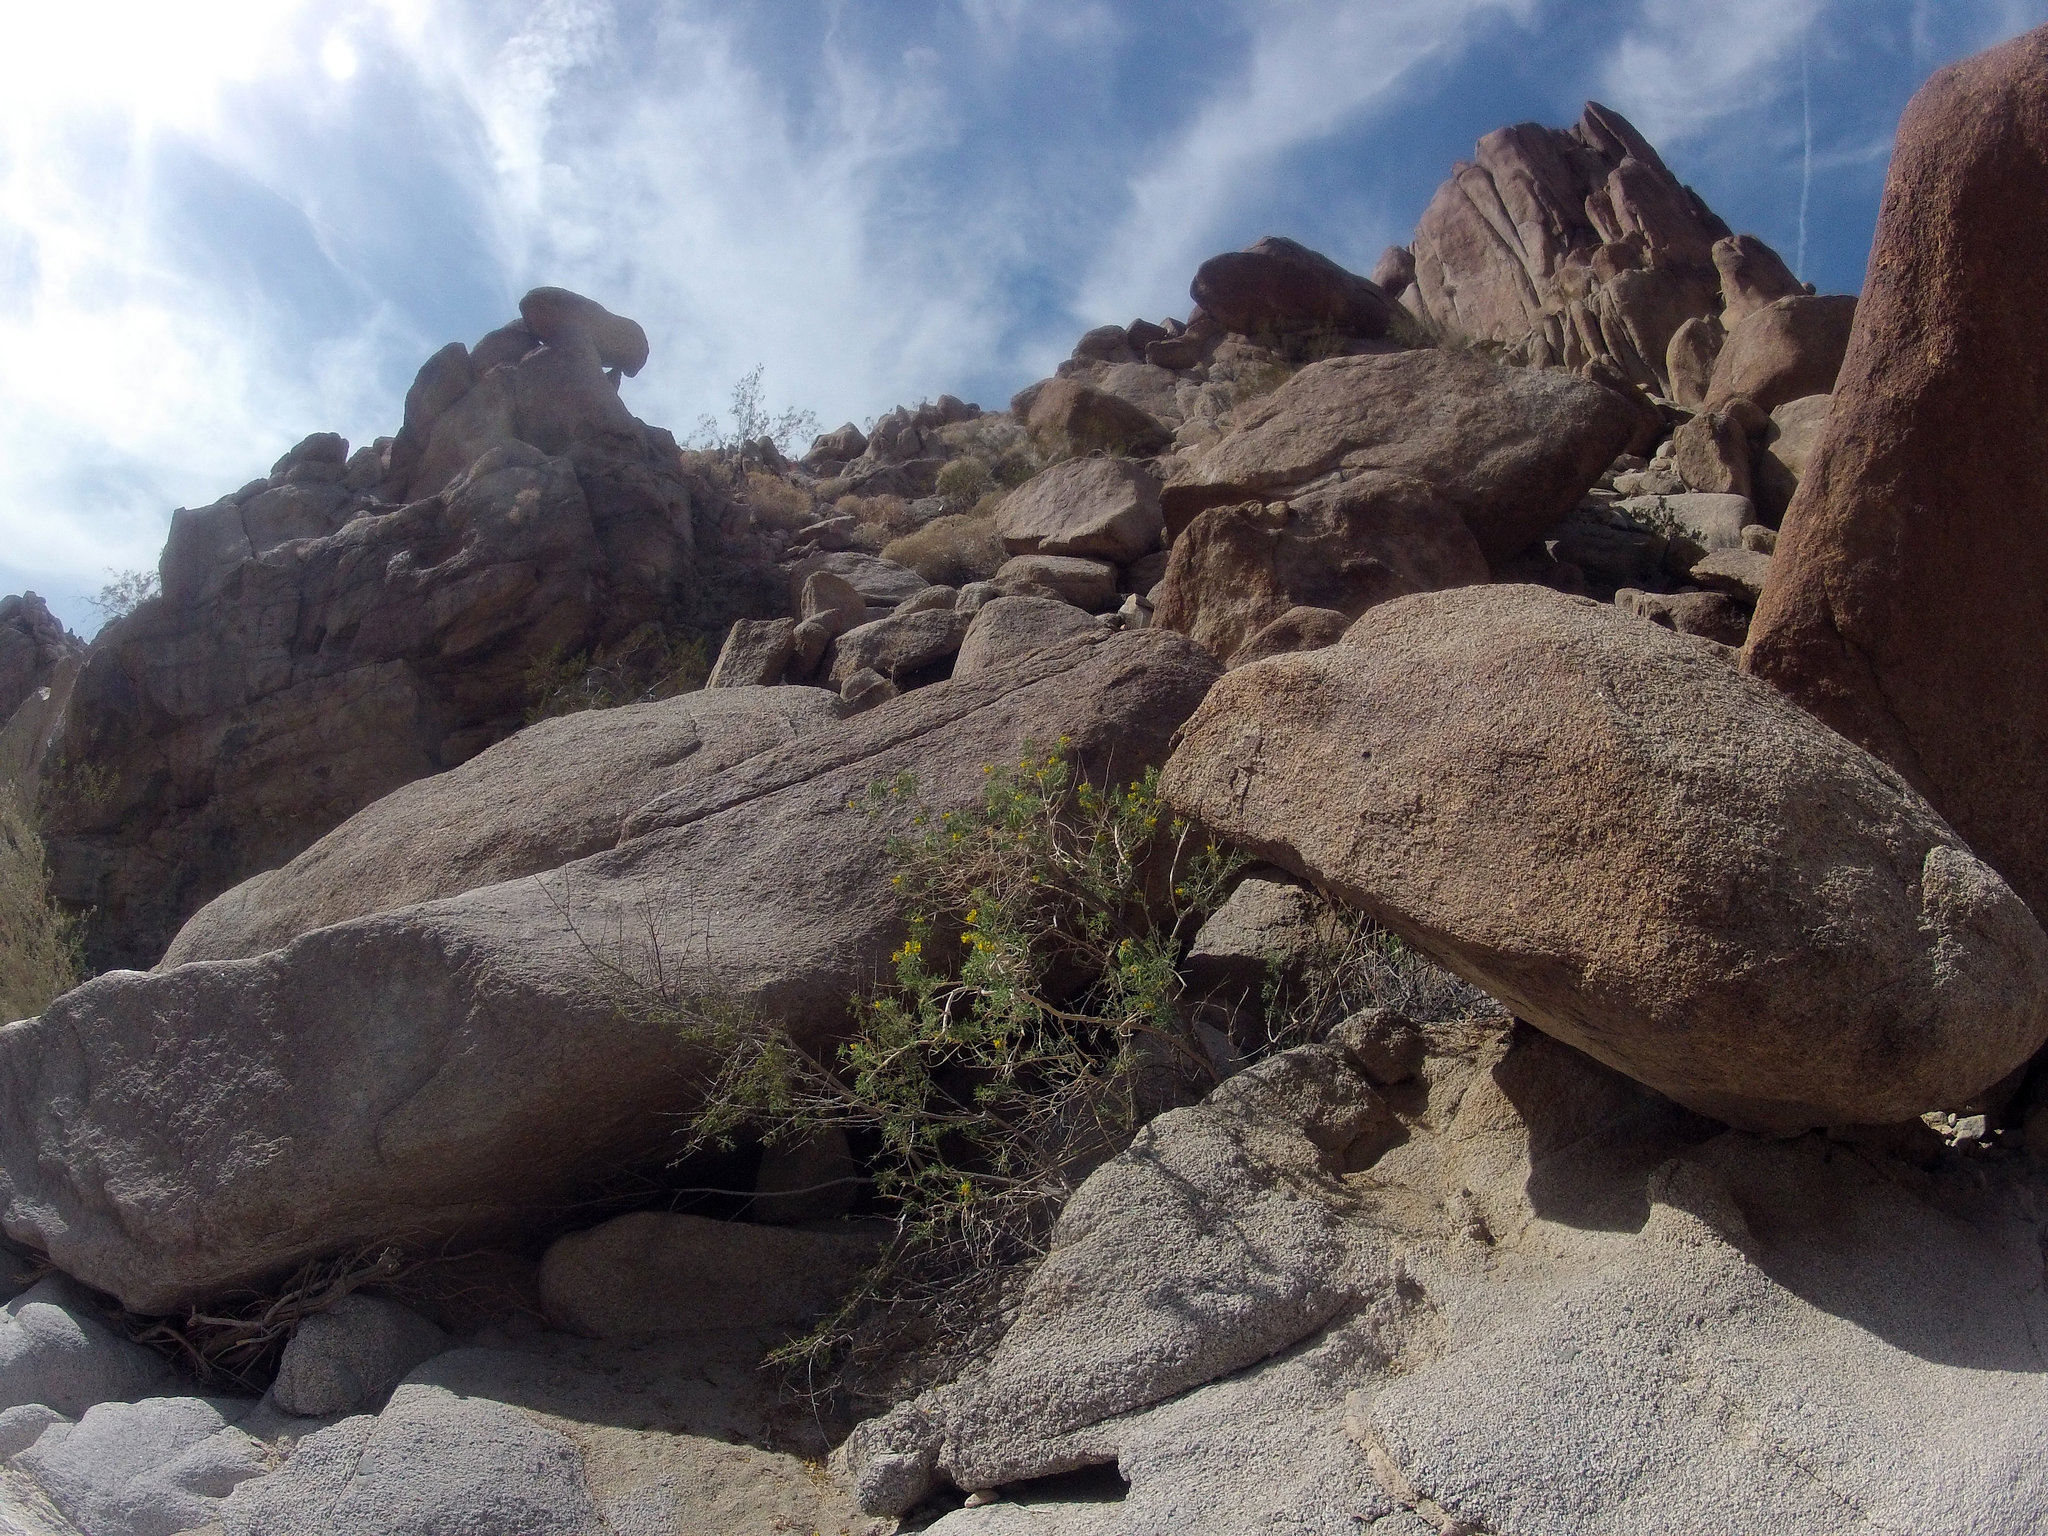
(124, 592)
(651, 663)
(887, 517)
(749, 419)
(951, 550)
(38, 941)
(1352, 963)
(1033, 1021)
(962, 482)
(776, 503)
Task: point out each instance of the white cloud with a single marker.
(1314, 67)
(1683, 68)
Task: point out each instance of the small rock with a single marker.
(1386, 1046)
(1738, 572)
(1089, 584)
(865, 689)
(22, 1425)
(1761, 539)
(658, 1272)
(349, 1358)
(55, 1351)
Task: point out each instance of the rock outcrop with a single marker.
(1637, 849)
(350, 625)
(463, 1066)
(1905, 606)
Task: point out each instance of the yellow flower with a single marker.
(973, 913)
(966, 1189)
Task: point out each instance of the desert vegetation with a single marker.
(38, 948)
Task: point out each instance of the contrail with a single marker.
(1806, 167)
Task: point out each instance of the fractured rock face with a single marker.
(462, 1066)
(1568, 246)
(1905, 605)
(1509, 450)
(1634, 847)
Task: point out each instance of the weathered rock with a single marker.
(1753, 277)
(55, 1351)
(1905, 607)
(1511, 450)
(557, 317)
(559, 1437)
(1089, 584)
(756, 653)
(557, 792)
(1235, 571)
(659, 1272)
(1144, 1295)
(1298, 629)
(315, 649)
(1587, 1278)
(1267, 923)
(32, 646)
(1706, 520)
(1069, 414)
(1712, 454)
(899, 646)
(1711, 615)
(1807, 943)
(1609, 548)
(152, 1468)
(1278, 287)
(1395, 270)
(939, 599)
(1007, 629)
(1566, 247)
(1741, 573)
(350, 1357)
(1689, 360)
(866, 689)
(1107, 509)
(1784, 351)
(1788, 446)
(468, 1065)
(880, 583)
(834, 601)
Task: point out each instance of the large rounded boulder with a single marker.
(1641, 851)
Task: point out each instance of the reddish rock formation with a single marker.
(1906, 605)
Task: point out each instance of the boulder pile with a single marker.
(1616, 661)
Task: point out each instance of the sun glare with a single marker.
(158, 64)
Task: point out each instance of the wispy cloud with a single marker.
(1684, 68)
(1312, 68)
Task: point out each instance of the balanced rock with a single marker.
(1690, 879)
(1753, 277)
(1510, 450)
(556, 316)
(1104, 508)
(1905, 608)
(1278, 287)
(450, 1069)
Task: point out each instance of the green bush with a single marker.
(1033, 1021)
(38, 941)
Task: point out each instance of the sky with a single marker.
(225, 224)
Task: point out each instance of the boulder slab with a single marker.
(465, 1066)
(1107, 509)
(1636, 848)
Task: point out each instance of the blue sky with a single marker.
(227, 223)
